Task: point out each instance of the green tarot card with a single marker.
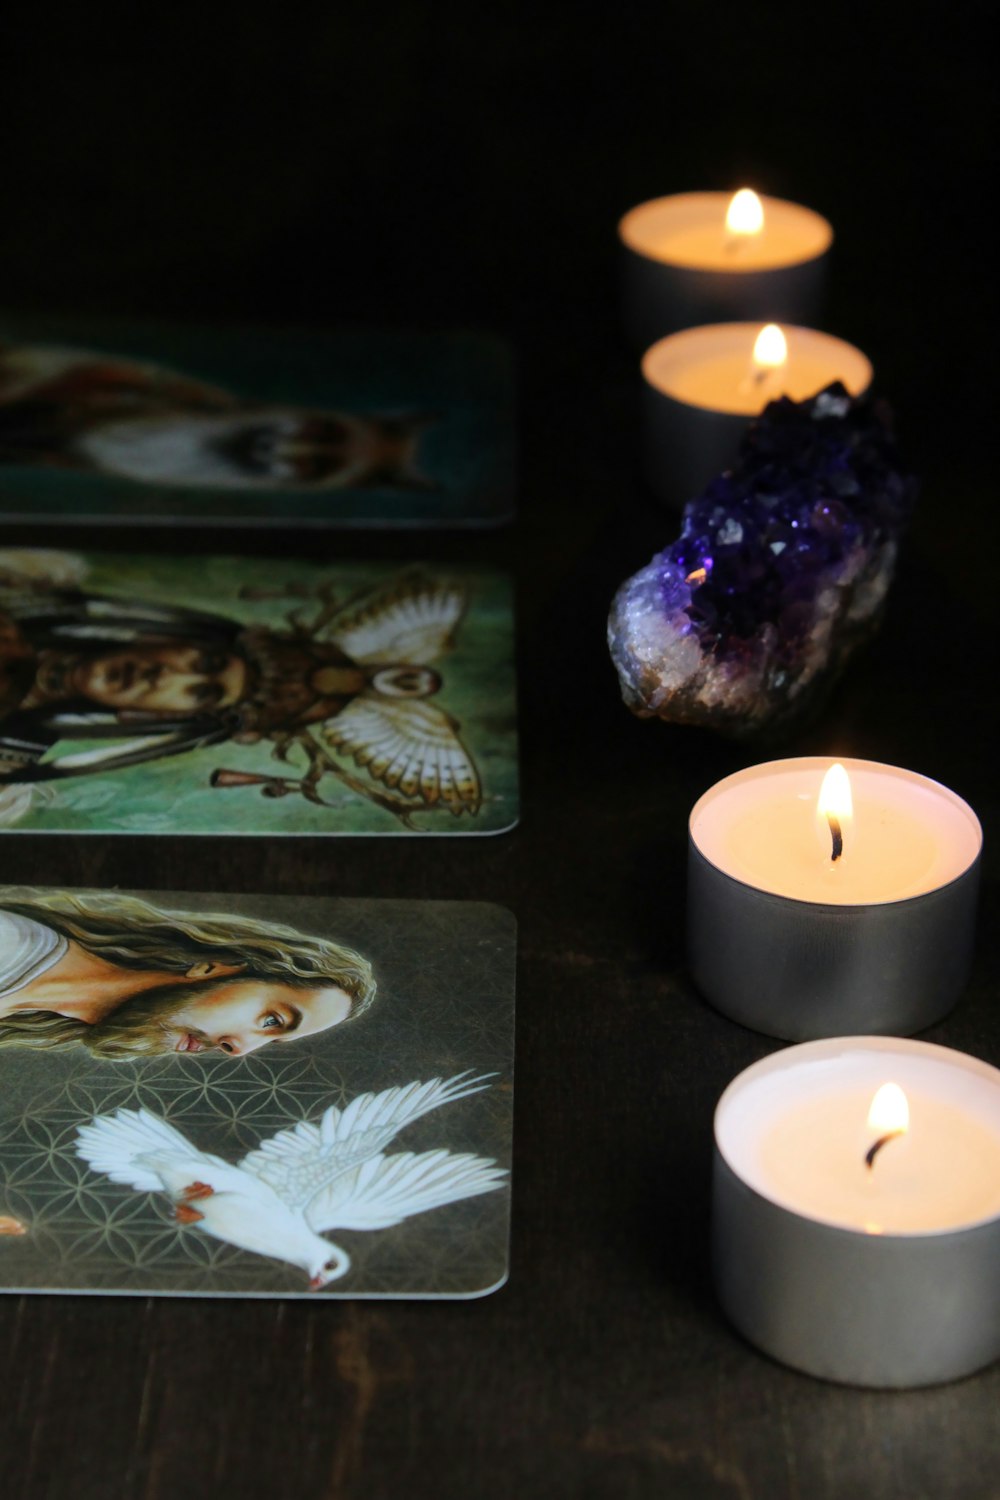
(254, 1096)
(174, 694)
(185, 426)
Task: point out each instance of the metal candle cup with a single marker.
(784, 941)
(883, 1276)
(700, 388)
(681, 267)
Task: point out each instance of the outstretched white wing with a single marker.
(387, 1189)
(411, 619)
(409, 745)
(138, 1148)
(299, 1163)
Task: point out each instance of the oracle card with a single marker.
(181, 426)
(179, 694)
(254, 1096)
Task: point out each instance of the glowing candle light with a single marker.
(835, 809)
(770, 356)
(770, 348)
(694, 258)
(703, 385)
(744, 216)
(706, 368)
(875, 1267)
(825, 899)
(889, 1115)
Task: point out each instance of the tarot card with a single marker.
(173, 694)
(254, 1096)
(182, 426)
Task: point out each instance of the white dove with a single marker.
(280, 1198)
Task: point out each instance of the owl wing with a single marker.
(411, 619)
(411, 746)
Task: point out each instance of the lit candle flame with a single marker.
(890, 1110)
(770, 349)
(889, 1115)
(835, 807)
(745, 214)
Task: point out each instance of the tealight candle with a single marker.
(709, 257)
(810, 919)
(856, 1210)
(702, 386)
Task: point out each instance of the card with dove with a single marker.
(219, 695)
(254, 1096)
(187, 426)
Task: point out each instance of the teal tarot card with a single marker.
(185, 426)
(254, 1096)
(221, 695)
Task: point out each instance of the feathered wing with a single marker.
(388, 1189)
(127, 1145)
(411, 619)
(410, 746)
(299, 1163)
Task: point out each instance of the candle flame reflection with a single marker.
(835, 809)
(745, 214)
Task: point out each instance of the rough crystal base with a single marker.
(781, 570)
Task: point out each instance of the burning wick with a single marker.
(883, 1140)
(836, 836)
(889, 1113)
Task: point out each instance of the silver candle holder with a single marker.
(849, 1263)
(784, 942)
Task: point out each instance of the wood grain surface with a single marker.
(460, 167)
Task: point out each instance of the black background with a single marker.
(455, 166)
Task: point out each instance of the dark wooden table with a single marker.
(418, 172)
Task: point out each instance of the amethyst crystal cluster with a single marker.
(780, 571)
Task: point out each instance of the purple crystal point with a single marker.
(781, 569)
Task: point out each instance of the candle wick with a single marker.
(836, 836)
(883, 1140)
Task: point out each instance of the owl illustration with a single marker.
(351, 689)
(391, 728)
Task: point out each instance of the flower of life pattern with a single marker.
(86, 1232)
(79, 1220)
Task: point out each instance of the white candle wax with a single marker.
(712, 367)
(794, 1129)
(908, 835)
(689, 229)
